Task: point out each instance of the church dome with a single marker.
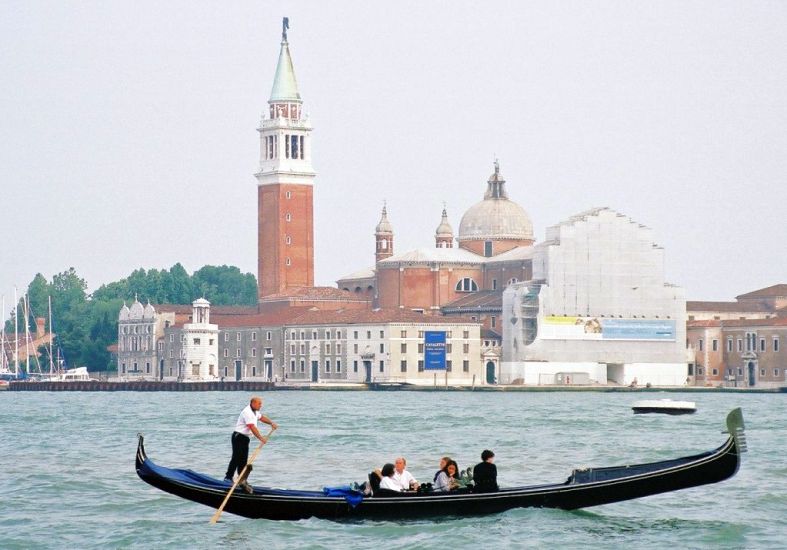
(136, 311)
(496, 217)
(149, 312)
(444, 229)
(124, 312)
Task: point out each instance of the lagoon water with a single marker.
(68, 477)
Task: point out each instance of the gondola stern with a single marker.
(737, 429)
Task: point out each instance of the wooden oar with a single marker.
(241, 477)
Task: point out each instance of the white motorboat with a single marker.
(664, 406)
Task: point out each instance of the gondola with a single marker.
(583, 488)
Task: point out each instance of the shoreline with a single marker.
(157, 386)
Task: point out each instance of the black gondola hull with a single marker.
(584, 488)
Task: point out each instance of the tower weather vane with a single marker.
(285, 24)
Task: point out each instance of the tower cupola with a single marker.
(444, 235)
(384, 237)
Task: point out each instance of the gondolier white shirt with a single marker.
(404, 479)
(247, 416)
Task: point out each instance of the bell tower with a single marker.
(383, 236)
(285, 218)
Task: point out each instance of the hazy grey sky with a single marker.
(128, 128)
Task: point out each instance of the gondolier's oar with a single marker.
(241, 477)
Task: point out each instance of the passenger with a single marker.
(387, 481)
(443, 463)
(401, 476)
(485, 473)
(448, 479)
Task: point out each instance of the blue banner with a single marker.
(434, 350)
(638, 329)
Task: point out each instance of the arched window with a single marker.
(466, 285)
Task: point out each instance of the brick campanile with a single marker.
(285, 218)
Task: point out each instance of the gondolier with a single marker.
(245, 427)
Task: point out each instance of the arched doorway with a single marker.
(751, 370)
(490, 373)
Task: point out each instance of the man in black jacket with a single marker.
(485, 473)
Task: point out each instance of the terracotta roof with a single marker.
(775, 291)
(726, 306)
(772, 322)
(186, 309)
(367, 273)
(313, 293)
(490, 334)
(703, 323)
(376, 316)
(483, 299)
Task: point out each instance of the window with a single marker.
(494, 284)
(715, 345)
(776, 373)
(740, 371)
(420, 365)
(210, 342)
(729, 345)
(368, 334)
(254, 371)
(699, 344)
(699, 371)
(382, 366)
(172, 354)
(288, 194)
(237, 352)
(226, 352)
(355, 366)
(403, 365)
(740, 345)
(512, 280)
(420, 348)
(420, 334)
(303, 365)
(382, 334)
(253, 336)
(465, 348)
(303, 335)
(449, 348)
(196, 341)
(147, 368)
(448, 365)
(775, 344)
(404, 348)
(237, 336)
(465, 366)
(292, 335)
(288, 262)
(327, 365)
(292, 349)
(171, 337)
(355, 334)
(226, 370)
(715, 372)
(160, 346)
(338, 349)
(466, 285)
(314, 335)
(123, 368)
(449, 334)
(465, 334)
(487, 248)
(226, 336)
(303, 349)
(338, 365)
(254, 352)
(268, 352)
(403, 334)
(355, 348)
(762, 344)
(288, 217)
(338, 334)
(292, 365)
(328, 334)
(762, 372)
(382, 348)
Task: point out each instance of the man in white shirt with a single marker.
(244, 428)
(402, 477)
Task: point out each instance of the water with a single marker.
(68, 477)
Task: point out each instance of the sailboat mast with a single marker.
(16, 334)
(51, 365)
(2, 339)
(27, 334)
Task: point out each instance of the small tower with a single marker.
(200, 345)
(384, 237)
(284, 185)
(444, 235)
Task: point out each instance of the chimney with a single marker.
(40, 330)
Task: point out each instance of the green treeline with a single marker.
(85, 324)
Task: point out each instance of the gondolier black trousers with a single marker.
(240, 454)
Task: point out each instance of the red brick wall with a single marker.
(274, 275)
(498, 247)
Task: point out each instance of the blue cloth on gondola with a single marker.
(353, 497)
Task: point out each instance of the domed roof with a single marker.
(495, 217)
(200, 302)
(136, 311)
(444, 229)
(384, 226)
(149, 312)
(124, 312)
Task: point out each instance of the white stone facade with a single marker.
(200, 345)
(597, 309)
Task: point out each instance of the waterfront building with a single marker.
(740, 344)
(597, 310)
(494, 249)
(139, 330)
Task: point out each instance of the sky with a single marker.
(129, 128)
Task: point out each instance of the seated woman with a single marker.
(447, 479)
(387, 481)
(443, 463)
